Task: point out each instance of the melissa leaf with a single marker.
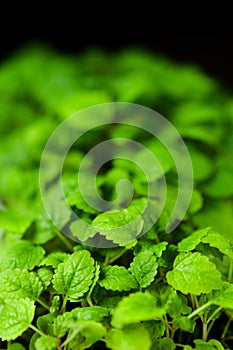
(74, 276)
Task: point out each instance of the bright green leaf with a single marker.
(189, 243)
(74, 277)
(15, 318)
(135, 308)
(117, 278)
(18, 283)
(45, 276)
(54, 259)
(22, 255)
(46, 343)
(224, 296)
(89, 332)
(194, 273)
(128, 338)
(144, 268)
(185, 323)
(165, 344)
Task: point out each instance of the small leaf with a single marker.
(135, 308)
(56, 303)
(144, 268)
(218, 241)
(45, 324)
(18, 283)
(194, 273)
(117, 278)
(22, 255)
(123, 226)
(16, 346)
(59, 213)
(89, 332)
(45, 276)
(211, 345)
(75, 275)
(54, 259)
(14, 222)
(46, 343)
(94, 313)
(15, 318)
(128, 338)
(185, 324)
(177, 305)
(44, 229)
(61, 324)
(189, 243)
(224, 296)
(165, 344)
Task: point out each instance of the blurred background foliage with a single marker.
(39, 88)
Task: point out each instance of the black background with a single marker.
(204, 39)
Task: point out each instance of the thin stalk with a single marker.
(42, 303)
(69, 338)
(37, 330)
(110, 261)
(63, 308)
(89, 301)
(64, 240)
(226, 329)
(201, 308)
(192, 301)
(214, 313)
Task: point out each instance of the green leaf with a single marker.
(211, 345)
(94, 313)
(218, 241)
(46, 343)
(13, 221)
(45, 276)
(16, 346)
(144, 268)
(165, 344)
(54, 259)
(219, 215)
(194, 273)
(196, 203)
(22, 255)
(56, 303)
(59, 213)
(89, 332)
(61, 324)
(16, 318)
(156, 329)
(176, 305)
(189, 243)
(80, 230)
(122, 227)
(221, 185)
(74, 277)
(203, 166)
(44, 229)
(224, 296)
(185, 323)
(135, 308)
(18, 283)
(117, 278)
(128, 338)
(45, 324)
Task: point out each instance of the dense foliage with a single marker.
(162, 291)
